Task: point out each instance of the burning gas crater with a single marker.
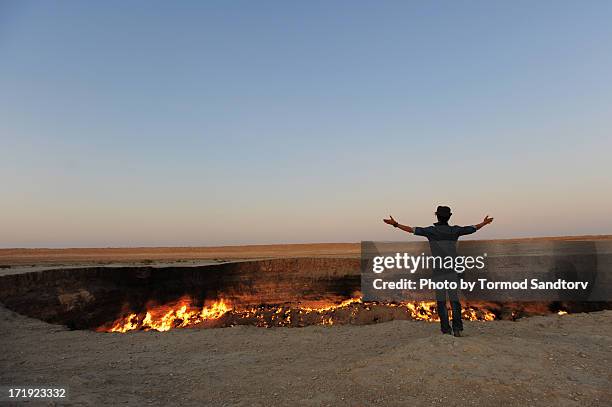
(221, 313)
(265, 293)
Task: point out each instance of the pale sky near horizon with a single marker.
(207, 123)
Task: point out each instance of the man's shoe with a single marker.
(458, 334)
(447, 333)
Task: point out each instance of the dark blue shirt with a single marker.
(443, 237)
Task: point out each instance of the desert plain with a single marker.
(552, 360)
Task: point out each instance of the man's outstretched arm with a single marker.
(396, 224)
(485, 222)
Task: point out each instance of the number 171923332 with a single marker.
(36, 392)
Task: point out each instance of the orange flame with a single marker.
(183, 314)
(164, 318)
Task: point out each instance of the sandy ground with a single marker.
(29, 257)
(97, 256)
(539, 361)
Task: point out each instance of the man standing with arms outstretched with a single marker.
(443, 242)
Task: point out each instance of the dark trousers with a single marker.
(453, 297)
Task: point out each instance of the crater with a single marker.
(280, 292)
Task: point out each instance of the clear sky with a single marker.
(206, 123)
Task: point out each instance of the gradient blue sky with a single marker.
(207, 123)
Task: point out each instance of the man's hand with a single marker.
(390, 221)
(396, 224)
(485, 222)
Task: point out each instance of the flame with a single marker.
(184, 314)
(164, 318)
(562, 313)
(343, 304)
(472, 314)
(129, 323)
